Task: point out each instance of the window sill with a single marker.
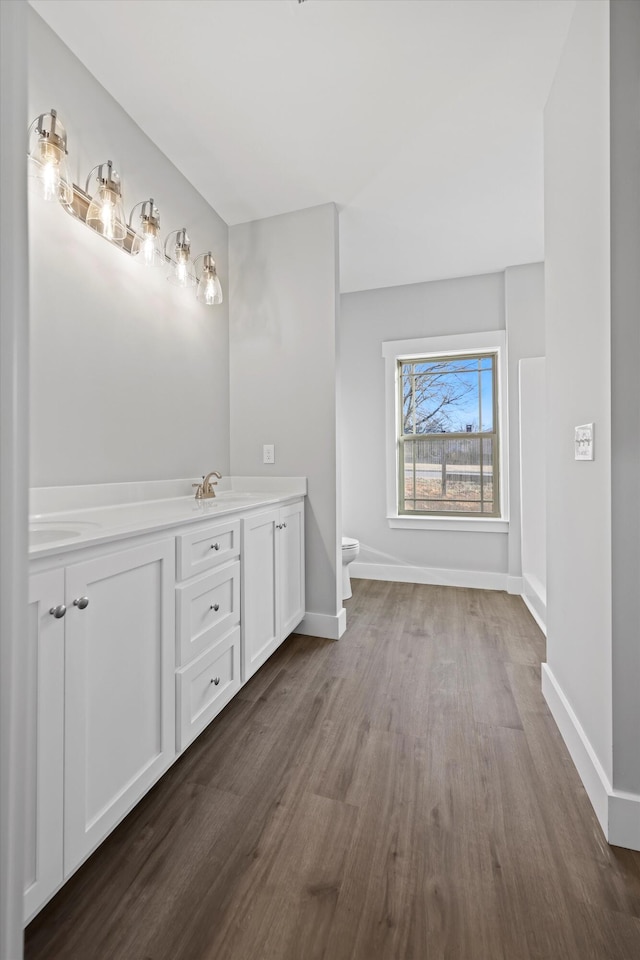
(460, 524)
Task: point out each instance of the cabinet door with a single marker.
(45, 732)
(120, 692)
(291, 567)
(260, 625)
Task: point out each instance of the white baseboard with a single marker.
(624, 820)
(618, 812)
(514, 585)
(535, 598)
(399, 573)
(323, 625)
(534, 613)
(595, 780)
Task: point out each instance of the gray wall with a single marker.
(465, 305)
(368, 318)
(533, 485)
(283, 371)
(578, 341)
(129, 375)
(625, 389)
(524, 306)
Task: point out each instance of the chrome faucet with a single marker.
(205, 489)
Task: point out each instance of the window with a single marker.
(448, 435)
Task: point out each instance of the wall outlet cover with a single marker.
(584, 442)
(268, 453)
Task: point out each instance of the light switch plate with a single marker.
(584, 442)
(268, 453)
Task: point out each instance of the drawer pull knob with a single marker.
(81, 603)
(215, 606)
(59, 611)
(215, 681)
(215, 546)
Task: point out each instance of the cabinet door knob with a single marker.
(215, 681)
(59, 611)
(215, 546)
(81, 602)
(215, 606)
(278, 526)
(284, 524)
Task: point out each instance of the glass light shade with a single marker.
(106, 211)
(146, 246)
(48, 158)
(181, 272)
(209, 290)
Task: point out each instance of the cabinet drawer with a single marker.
(207, 547)
(206, 609)
(206, 686)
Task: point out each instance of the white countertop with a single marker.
(73, 517)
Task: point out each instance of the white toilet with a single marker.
(350, 550)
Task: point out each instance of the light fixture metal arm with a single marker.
(133, 210)
(88, 180)
(149, 211)
(182, 238)
(108, 179)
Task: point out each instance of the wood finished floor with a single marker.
(400, 795)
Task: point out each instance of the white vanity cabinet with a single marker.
(135, 644)
(43, 864)
(101, 709)
(273, 581)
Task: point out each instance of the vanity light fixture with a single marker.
(181, 272)
(147, 246)
(48, 157)
(105, 214)
(209, 290)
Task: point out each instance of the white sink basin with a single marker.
(51, 535)
(52, 531)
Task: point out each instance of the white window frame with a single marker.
(493, 341)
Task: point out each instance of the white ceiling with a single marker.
(421, 119)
